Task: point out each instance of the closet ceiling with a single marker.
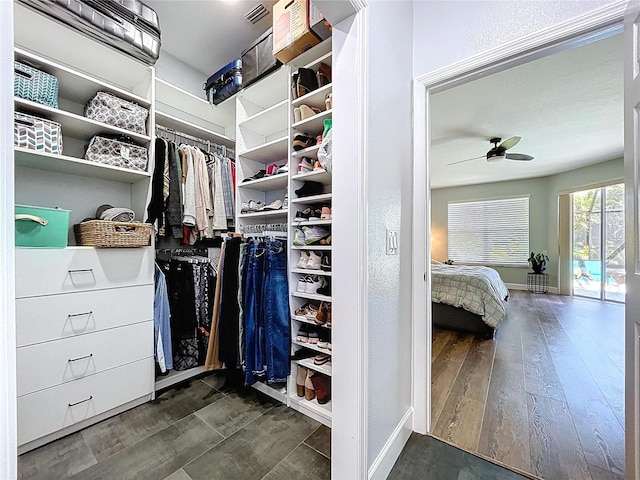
(208, 34)
(567, 107)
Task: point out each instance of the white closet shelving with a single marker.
(98, 355)
(312, 126)
(179, 110)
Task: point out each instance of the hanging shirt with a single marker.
(189, 214)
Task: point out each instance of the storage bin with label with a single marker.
(42, 227)
(35, 85)
(107, 108)
(117, 152)
(37, 133)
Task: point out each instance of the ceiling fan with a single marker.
(499, 152)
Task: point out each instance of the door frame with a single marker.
(599, 23)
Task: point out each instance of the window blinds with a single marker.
(489, 231)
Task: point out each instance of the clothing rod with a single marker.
(186, 136)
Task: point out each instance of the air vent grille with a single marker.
(256, 14)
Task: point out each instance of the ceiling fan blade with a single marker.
(509, 143)
(519, 156)
(467, 160)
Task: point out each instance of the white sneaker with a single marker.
(313, 284)
(302, 284)
(303, 260)
(314, 260)
(298, 237)
(305, 165)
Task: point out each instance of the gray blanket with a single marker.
(477, 289)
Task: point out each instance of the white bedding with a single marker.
(477, 289)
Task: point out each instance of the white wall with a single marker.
(448, 31)
(8, 454)
(173, 70)
(389, 187)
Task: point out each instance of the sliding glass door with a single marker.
(598, 243)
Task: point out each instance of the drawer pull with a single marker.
(80, 270)
(81, 401)
(72, 315)
(80, 358)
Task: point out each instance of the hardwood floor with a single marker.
(545, 396)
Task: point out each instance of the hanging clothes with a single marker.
(202, 193)
(162, 322)
(173, 204)
(213, 361)
(155, 208)
(228, 328)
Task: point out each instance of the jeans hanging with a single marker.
(253, 312)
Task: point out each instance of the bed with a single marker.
(468, 298)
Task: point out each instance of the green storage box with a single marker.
(41, 227)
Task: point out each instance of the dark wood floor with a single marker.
(546, 396)
(204, 431)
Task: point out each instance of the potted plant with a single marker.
(538, 262)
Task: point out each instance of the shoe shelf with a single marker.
(51, 162)
(75, 126)
(310, 222)
(312, 296)
(267, 184)
(266, 213)
(313, 125)
(312, 199)
(309, 321)
(308, 363)
(267, 152)
(320, 176)
(315, 98)
(311, 247)
(313, 409)
(314, 56)
(311, 346)
(279, 394)
(304, 271)
(310, 152)
(268, 121)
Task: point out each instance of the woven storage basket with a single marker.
(107, 234)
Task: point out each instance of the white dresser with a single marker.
(84, 327)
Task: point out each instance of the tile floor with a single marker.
(208, 431)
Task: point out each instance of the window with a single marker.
(489, 231)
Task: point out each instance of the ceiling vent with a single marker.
(256, 14)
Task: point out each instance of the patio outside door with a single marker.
(598, 243)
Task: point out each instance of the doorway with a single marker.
(598, 244)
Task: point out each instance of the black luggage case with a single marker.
(127, 25)
(225, 82)
(258, 60)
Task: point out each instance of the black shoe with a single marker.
(325, 289)
(304, 215)
(325, 263)
(302, 141)
(294, 86)
(309, 188)
(256, 176)
(307, 81)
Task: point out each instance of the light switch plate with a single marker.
(392, 242)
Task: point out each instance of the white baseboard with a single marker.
(387, 457)
(520, 286)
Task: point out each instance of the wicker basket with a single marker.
(107, 234)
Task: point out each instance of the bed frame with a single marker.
(459, 319)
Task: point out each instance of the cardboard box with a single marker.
(291, 32)
(318, 24)
(41, 226)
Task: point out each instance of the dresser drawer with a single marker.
(53, 409)
(48, 364)
(51, 271)
(52, 317)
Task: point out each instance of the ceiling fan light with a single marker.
(496, 158)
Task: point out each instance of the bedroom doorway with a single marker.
(541, 403)
(598, 243)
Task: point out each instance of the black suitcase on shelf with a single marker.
(224, 83)
(258, 60)
(127, 25)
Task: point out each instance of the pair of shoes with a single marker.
(272, 169)
(310, 188)
(275, 205)
(312, 284)
(303, 112)
(314, 234)
(323, 317)
(324, 339)
(328, 101)
(311, 260)
(321, 387)
(259, 174)
(252, 206)
(305, 165)
(308, 311)
(325, 288)
(323, 75)
(308, 334)
(308, 214)
(325, 241)
(302, 141)
(303, 82)
(298, 238)
(322, 359)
